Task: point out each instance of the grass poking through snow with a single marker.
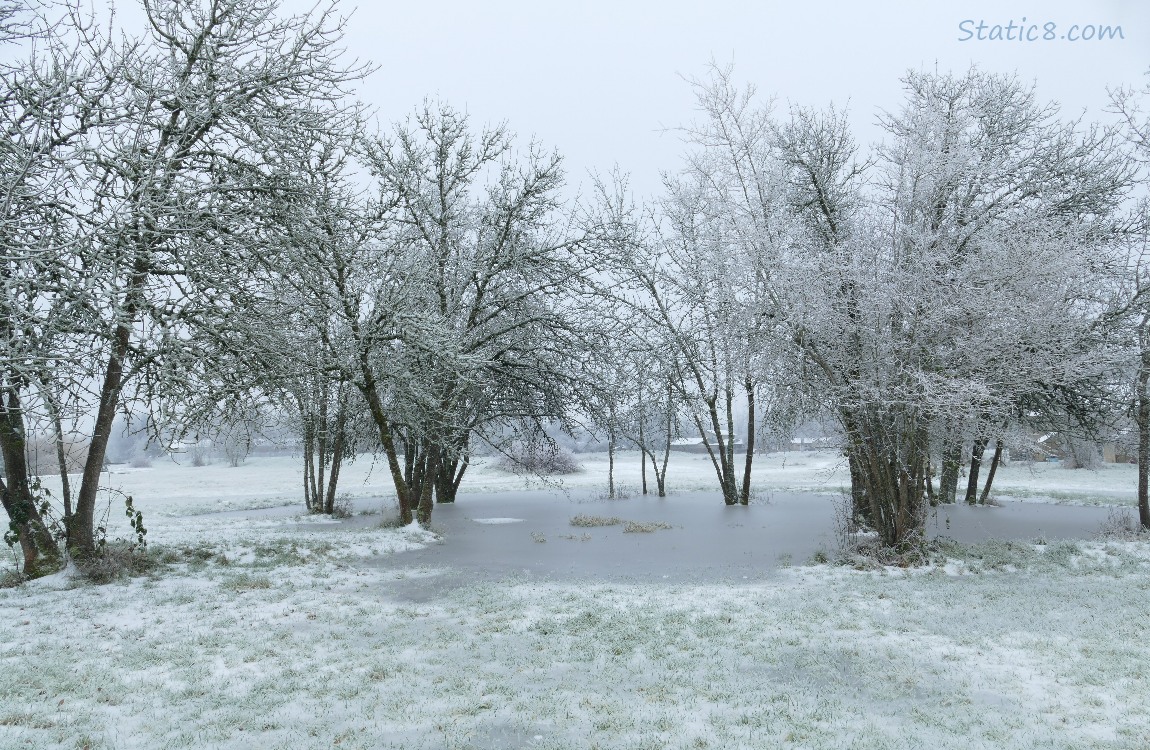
(587, 521)
(635, 527)
(265, 633)
(994, 646)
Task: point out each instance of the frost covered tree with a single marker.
(651, 419)
(183, 189)
(503, 265)
(51, 104)
(609, 383)
(701, 274)
(973, 275)
(147, 162)
(327, 412)
(950, 277)
(449, 292)
(328, 310)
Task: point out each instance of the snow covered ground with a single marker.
(271, 630)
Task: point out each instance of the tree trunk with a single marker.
(80, 527)
(419, 473)
(61, 451)
(642, 444)
(660, 484)
(745, 495)
(860, 503)
(379, 416)
(441, 484)
(321, 449)
(994, 461)
(729, 448)
(643, 470)
(1143, 418)
(443, 481)
(951, 465)
(338, 445)
(308, 448)
(459, 473)
(610, 463)
(41, 553)
(431, 469)
(719, 452)
(931, 498)
(450, 474)
(315, 454)
(410, 451)
(668, 433)
(976, 453)
(333, 473)
(449, 477)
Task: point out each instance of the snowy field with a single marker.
(265, 629)
(168, 488)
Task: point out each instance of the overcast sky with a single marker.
(601, 80)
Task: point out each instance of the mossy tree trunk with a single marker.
(40, 551)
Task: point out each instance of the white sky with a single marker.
(602, 80)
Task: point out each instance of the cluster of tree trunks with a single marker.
(888, 451)
(325, 445)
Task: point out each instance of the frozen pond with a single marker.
(528, 534)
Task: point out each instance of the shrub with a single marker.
(546, 459)
(10, 579)
(1121, 525)
(622, 492)
(341, 508)
(114, 561)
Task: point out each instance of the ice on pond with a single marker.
(695, 539)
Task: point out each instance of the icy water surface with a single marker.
(529, 535)
(706, 542)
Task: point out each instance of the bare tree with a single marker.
(701, 274)
(652, 420)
